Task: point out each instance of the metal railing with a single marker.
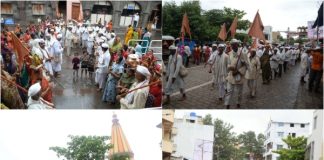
(138, 40)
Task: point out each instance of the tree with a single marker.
(204, 25)
(296, 148)
(252, 144)
(208, 120)
(224, 141)
(84, 147)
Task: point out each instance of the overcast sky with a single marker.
(253, 120)
(280, 14)
(27, 135)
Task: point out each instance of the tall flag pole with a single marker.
(185, 28)
(256, 29)
(222, 34)
(233, 27)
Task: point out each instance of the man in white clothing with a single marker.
(68, 40)
(47, 57)
(218, 63)
(304, 65)
(252, 72)
(136, 19)
(84, 37)
(57, 54)
(90, 40)
(103, 65)
(274, 63)
(237, 68)
(137, 98)
(35, 101)
(173, 78)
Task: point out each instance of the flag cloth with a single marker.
(20, 50)
(185, 28)
(222, 34)
(319, 19)
(233, 27)
(256, 29)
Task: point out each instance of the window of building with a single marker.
(292, 125)
(128, 12)
(293, 134)
(192, 121)
(6, 8)
(280, 124)
(302, 125)
(280, 134)
(315, 121)
(279, 146)
(38, 9)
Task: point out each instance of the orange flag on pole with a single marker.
(222, 34)
(233, 27)
(20, 50)
(256, 29)
(185, 28)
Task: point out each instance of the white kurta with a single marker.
(139, 97)
(47, 64)
(68, 42)
(219, 67)
(304, 64)
(253, 68)
(173, 72)
(57, 52)
(274, 61)
(103, 68)
(32, 104)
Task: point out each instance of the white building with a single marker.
(277, 130)
(315, 140)
(267, 31)
(192, 140)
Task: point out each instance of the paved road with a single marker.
(283, 93)
(79, 93)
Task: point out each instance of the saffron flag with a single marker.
(185, 28)
(222, 34)
(20, 50)
(256, 29)
(233, 27)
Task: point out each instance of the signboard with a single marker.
(312, 32)
(9, 21)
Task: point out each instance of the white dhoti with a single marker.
(89, 47)
(172, 87)
(234, 93)
(48, 67)
(102, 80)
(252, 84)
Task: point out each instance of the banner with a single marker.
(20, 50)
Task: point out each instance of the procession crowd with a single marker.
(232, 64)
(125, 71)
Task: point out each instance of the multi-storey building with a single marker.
(277, 130)
(191, 139)
(167, 131)
(315, 140)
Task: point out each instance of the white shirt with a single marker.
(136, 17)
(103, 65)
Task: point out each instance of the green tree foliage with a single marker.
(84, 147)
(252, 144)
(224, 141)
(204, 25)
(296, 148)
(208, 120)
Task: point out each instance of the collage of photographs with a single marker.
(161, 80)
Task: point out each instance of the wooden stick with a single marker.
(143, 86)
